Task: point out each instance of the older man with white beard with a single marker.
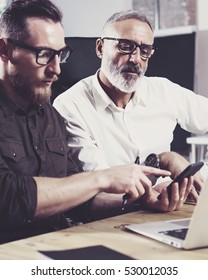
(118, 114)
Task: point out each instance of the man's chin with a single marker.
(41, 96)
(128, 85)
(126, 88)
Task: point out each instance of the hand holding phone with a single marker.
(190, 170)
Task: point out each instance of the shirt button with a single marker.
(36, 147)
(14, 154)
(62, 149)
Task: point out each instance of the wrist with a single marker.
(103, 180)
(165, 158)
(169, 159)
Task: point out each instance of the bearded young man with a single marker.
(39, 188)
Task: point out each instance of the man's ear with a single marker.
(99, 47)
(3, 49)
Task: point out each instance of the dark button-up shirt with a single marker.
(31, 144)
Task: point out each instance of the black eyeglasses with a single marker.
(128, 47)
(44, 55)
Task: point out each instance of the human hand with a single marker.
(131, 179)
(178, 196)
(176, 163)
(198, 184)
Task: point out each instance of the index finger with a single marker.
(148, 170)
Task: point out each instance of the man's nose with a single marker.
(54, 65)
(135, 56)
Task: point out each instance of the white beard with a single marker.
(125, 81)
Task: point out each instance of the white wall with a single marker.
(85, 18)
(201, 51)
(202, 20)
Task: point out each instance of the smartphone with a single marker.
(190, 170)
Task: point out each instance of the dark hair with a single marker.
(129, 14)
(13, 21)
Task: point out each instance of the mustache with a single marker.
(132, 68)
(51, 77)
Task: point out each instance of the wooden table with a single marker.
(108, 232)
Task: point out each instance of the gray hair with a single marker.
(129, 14)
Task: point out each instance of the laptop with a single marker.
(182, 233)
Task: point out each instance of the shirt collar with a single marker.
(102, 100)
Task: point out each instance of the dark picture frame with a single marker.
(3, 5)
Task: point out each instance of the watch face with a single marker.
(152, 160)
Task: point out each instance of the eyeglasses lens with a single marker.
(146, 51)
(65, 53)
(45, 56)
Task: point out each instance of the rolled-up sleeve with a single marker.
(18, 199)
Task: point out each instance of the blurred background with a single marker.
(85, 18)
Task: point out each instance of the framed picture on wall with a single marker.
(3, 5)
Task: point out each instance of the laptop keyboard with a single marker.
(178, 233)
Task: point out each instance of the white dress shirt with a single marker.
(103, 135)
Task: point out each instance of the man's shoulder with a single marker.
(155, 80)
(158, 83)
(78, 92)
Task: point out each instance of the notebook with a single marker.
(182, 233)
(98, 252)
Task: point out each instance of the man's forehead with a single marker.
(129, 29)
(46, 33)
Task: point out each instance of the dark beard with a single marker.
(27, 93)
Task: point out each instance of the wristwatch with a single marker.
(152, 160)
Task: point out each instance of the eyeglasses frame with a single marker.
(36, 50)
(135, 44)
